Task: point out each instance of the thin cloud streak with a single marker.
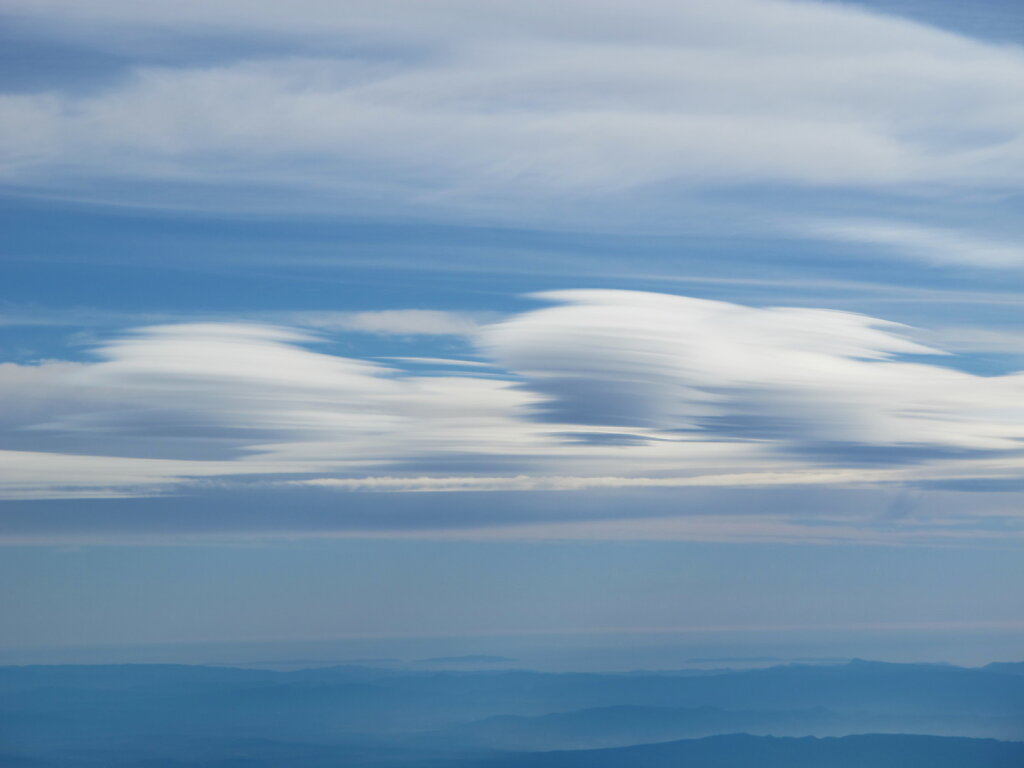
(935, 245)
(560, 483)
(398, 322)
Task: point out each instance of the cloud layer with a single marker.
(443, 107)
(807, 377)
(605, 388)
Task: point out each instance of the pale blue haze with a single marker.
(315, 338)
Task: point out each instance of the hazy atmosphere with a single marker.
(435, 336)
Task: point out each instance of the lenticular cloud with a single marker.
(619, 385)
(729, 371)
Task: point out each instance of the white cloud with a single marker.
(163, 400)
(611, 389)
(496, 113)
(32, 393)
(51, 475)
(936, 245)
(441, 361)
(561, 483)
(802, 377)
(399, 322)
(975, 339)
(257, 384)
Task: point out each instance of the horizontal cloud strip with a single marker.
(604, 388)
(557, 483)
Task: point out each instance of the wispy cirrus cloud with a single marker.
(439, 107)
(937, 245)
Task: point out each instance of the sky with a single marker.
(403, 319)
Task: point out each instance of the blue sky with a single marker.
(583, 281)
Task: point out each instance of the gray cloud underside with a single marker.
(822, 515)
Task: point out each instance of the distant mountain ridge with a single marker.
(93, 716)
(1006, 667)
(744, 751)
(607, 727)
